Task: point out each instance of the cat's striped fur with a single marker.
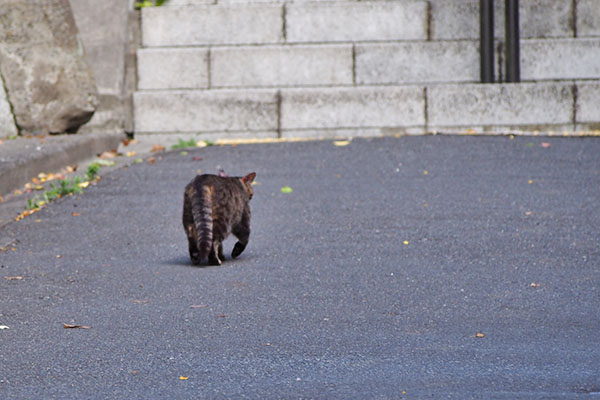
(214, 207)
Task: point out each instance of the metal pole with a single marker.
(486, 40)
(511, 31)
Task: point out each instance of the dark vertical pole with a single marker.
(511, 31)
(486, 40)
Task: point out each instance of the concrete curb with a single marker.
(24, 158)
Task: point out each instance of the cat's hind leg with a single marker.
(242, 232)
(194, 253)
(215, 253)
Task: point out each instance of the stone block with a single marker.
(560, 59)
(208, 25)
(588, 108)
(48, 82)
(205, 111)
(512, 105)
(103, 30)
(7, 121)
(281, 65)
(417, 62)
(354, 107)
(356, 21)
(588, 18)
(172, 68)
(459, 19)
(171, 3)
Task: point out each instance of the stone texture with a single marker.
(205, 111)
(356, 21)
(588, 18)
(459, 19)
(560, 59)
(7, 121)
(281, 65)
(500, 104)
(48, 81)
(103, 32)
(172, 68)
(417, 62)
(588, 107)
(365, 107)
(205, 25)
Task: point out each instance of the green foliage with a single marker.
(63, 188)
(92, 171)
(182, 144)
(149, 3)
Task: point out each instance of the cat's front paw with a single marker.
(237, 249)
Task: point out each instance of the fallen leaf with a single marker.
(199, 306)
(545, 145)
(37, 220)
(184, 153)
(106, 163)
(83, 185)
(130, 154)
(479, 335)
(151, 160)
(70, 326)
(286, 189)
(201, 143)
(108, 155)
(14, 278)
(341, 143)
(528, 213)
(156, 148)
(197, 158)
(71, 168)
(530, 181)
(138, 161)
(425, 172)
(405, 242)
(184, 378)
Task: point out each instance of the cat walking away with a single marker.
(214, 207)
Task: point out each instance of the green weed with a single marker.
(182, 144)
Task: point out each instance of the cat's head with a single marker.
(247, 182)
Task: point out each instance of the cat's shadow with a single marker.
(184, 261)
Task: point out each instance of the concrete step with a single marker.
(459, 19)
(560, 58)
(360, 64)
(268, 23)
(319, 111)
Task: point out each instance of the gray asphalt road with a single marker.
(371, 279)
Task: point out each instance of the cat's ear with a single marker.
(249, 178)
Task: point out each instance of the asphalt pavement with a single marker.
(410, 267)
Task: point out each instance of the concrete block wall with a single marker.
(325, 68)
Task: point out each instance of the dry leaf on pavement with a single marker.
(70, 326)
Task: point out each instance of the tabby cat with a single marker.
(214, 207)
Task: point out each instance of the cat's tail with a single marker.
(202, 213)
